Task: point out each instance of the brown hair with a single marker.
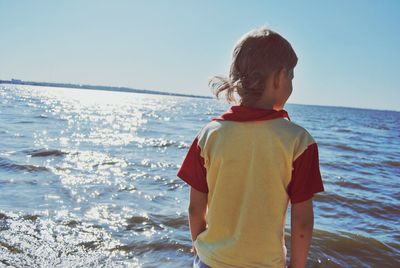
(257, 55)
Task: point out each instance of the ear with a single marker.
(279, 77)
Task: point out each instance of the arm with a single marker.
(197, 212)
(302, 223)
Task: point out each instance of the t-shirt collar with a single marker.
(244, 113)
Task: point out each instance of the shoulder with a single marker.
(300, 138)
(292, 127)
(211, 126)
(209, 129)
(217, 133)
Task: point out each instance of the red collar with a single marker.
(244, 113)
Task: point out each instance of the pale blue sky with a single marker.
(348, 50)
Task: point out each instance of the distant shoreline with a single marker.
(155, 92)
(98, 87)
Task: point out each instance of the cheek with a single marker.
(289, 89)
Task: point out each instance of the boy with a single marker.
(244, 166)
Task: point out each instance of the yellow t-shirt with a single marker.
(251, 162)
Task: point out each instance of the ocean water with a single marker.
(87, 179)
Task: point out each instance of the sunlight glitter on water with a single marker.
(97, 170)
(117, 115)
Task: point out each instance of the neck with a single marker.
(264, 105)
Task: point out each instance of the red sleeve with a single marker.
(192, 170)
(306, 177)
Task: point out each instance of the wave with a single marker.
(155, 221)
(346, 148)
(160, 142)
(344, 130)
(46, 152)
(29, 217)
(10, 248)
(29, 241)
(392, 163)
(352, 183)
(157, 164)
(10, 166)
(42, 116)
(377, 164)
(107, 163)
(25, 122)
(343, 249)
(174, 222)
(149, 246)
(368, 207)
(4, 216)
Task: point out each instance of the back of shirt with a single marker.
(250, 169)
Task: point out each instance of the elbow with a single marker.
(304, 225)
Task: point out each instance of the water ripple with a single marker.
(88, 178)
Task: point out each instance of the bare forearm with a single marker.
(197, 213)
(300, 245)
(302, 224)
(197, 222)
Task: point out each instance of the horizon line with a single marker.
(154, 92)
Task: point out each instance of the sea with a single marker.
(88, 179)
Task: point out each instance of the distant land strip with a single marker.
(96, 87)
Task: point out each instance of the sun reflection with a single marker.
(93, 116)
(100, 173)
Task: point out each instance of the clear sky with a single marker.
(349, 51)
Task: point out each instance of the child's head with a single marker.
(257, 56)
